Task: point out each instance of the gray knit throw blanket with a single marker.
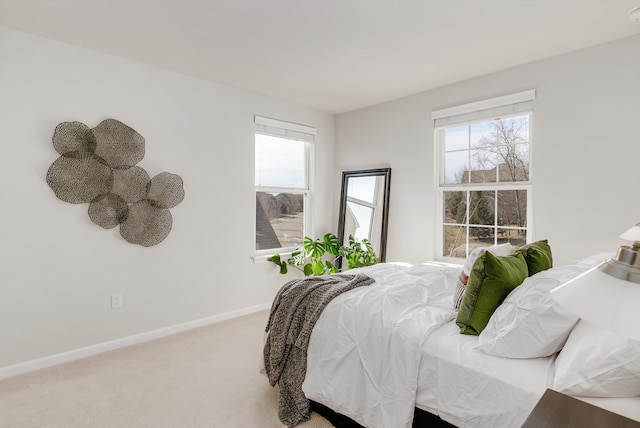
(294, 312)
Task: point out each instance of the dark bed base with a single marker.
(421, 418)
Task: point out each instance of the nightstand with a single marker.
(556, 410)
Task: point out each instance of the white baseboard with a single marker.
(76, 354)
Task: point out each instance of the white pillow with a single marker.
(529, 323)
(598, 363)
(496, 250)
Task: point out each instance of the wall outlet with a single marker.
(116, 301)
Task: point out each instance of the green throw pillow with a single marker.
(492, 279)
(538, 256)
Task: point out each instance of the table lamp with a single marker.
(608, 295)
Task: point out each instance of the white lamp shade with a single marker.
(603, 300)
(632, 234)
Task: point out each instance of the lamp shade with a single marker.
(609, 294)
(632, 234)
(603, 300)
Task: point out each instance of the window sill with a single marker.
(262, 257)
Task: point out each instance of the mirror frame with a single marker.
(346, 175)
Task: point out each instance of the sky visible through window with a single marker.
(279, 162)
(458, 141)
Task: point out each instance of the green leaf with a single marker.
(275, 259)
(308, 270)
(331, 267)
(318, 267)
(331, 244)
(297, 258)
(314, 248)
(351, 259)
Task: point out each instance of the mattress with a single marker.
(471, 389)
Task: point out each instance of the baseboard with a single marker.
(76, 354)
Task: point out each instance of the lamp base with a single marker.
(625, 266)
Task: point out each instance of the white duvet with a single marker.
(365, 350)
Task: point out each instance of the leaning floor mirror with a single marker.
(364, 207)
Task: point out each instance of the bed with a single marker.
(380, 355)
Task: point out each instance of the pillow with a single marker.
(492, 279)
(538, 256)
(529, 323)
(498, 250)
(598, 363)
(457, 296)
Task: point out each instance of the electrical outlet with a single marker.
(116, 301)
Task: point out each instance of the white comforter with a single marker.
(364, 353)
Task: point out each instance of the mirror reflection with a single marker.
(364, 207)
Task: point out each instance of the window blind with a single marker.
(508, 105)
(279, 128)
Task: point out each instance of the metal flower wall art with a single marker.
(98, 166)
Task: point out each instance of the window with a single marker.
(484, 174)
(282, 153)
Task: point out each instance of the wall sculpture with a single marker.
(98, 166)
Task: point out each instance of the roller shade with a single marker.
(508, 105)
(279, 128)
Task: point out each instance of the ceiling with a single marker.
(331, 55)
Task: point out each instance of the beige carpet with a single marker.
(207, 377)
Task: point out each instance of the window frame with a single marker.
(304, 135)
(512, 105)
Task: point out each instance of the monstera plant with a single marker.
(322, 256)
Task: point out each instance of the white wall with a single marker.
(58, 269)
(585, 151)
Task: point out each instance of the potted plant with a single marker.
(321, 256)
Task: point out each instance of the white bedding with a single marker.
(363, 365)
(468, 388)
(628, 407)
(376, 371)
(471, 389)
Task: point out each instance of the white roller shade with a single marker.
(279, 128)
(508, 105)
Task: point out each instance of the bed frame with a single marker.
(421, 418)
